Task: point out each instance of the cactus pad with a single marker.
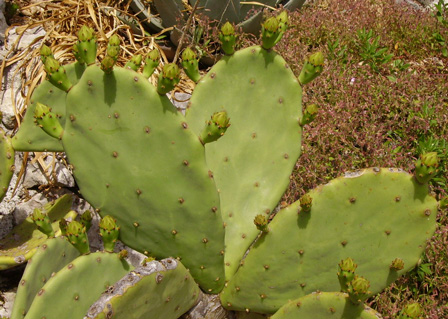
(325, 305)
(252, 162)
(136, 159)
(49, 258)
(71, 288)
(157, 290)
(29, 136)
(6, 163)
(21, 243)
(372, 216)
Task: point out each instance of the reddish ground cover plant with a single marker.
(383, 101)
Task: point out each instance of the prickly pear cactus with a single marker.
(71, 289)
(166, 289)
(325, 305)
(49, 258)
(30, 137)
(366, 215)
(136, 159)
(21, 243)
(252, 162)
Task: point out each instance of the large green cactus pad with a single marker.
(372, 216)
(73, 289)
(49, 258)
(21, 243)
(325, 305)
(162, 289)
(136, 159)
(252, 162)
(30, 137)
(6, 163)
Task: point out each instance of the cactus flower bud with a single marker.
(135, 62)
(270, 33)
(188, 55)
(309, 114)
(77, 236)
(45, 52)
(113, 52)
(426, 167)
(397, 264)
(56, 74)
(262, 223)
(168, 78)
(358, 290)
(85, 33)
(151, 63)
(107, 64)
(215, 128)
(283, 20)
(306, 203)
(316, 59)
(227, 38)
(411, 311)
(114, 40)
(190, 64)
(109, 231)
(312, 68)
(86, 219)
(48, 121)
(346, 273)
(51, 65)
(42, 222)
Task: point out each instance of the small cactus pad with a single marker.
(376, 212)
(325, 305)
(71, 290)
(31, 137)
(162, 289)
(136, 159)
(6, 163)
(21, 243)
(252, 161)
(49, 258)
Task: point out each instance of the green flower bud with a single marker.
(215, 128)
(114, 40)
(171, 71)
(51, 65)
(77, 236)
(309, 114)
(358, 289)
(85, 33)
(189, 55)
(271, 24)
(306, 203)
(426, 167)
(109, 231)
(154, 55)
(283, 17)
(221, 119)
(397, 264)
(42, 222)
(45, 52)
(113, 52)
(86, 219)
(168, 79)
(41, 110)
(262, 223)
(227, 29)
(316, 59)
(227, 38)
(346, 273)
(430, 159)
(411, 311)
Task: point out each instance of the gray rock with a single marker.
(3, 24)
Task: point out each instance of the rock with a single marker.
(3, 24)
